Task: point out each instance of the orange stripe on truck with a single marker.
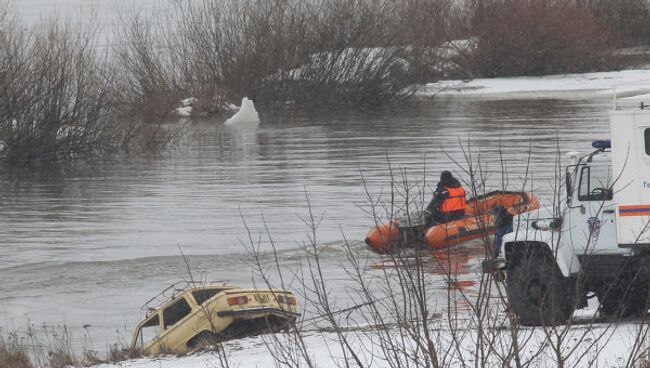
(634, 210)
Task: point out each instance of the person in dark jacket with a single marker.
(502, 226)
(448, 203)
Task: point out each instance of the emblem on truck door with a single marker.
(594, 224)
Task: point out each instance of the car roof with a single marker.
(177, 290)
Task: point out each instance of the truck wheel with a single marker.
(538, 293)
(618, 304)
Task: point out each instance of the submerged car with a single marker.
(191, 315)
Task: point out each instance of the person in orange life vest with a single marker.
(448, 203)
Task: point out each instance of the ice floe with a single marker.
(246, 114)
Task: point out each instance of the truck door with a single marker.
(591, 228)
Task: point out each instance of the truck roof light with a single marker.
(602, 144)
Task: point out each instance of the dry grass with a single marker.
(51, 347)
(117, 353)
(13, 354)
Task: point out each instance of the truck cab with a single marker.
(594, 240)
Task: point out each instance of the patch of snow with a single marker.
(566, 86)
(190, 101)
(183, 111)
(246, 114)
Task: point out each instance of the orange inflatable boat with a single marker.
(478, 222)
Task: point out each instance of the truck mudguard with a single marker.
(547, 242)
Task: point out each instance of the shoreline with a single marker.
(599, 85)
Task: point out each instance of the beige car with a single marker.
(212, 312)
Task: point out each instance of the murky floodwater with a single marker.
(88, 244)
(106, 12)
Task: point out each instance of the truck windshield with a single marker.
(595, 183)
(148, 331)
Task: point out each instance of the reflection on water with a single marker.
(88, 243)
(455, 266)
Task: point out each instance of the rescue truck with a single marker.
(595, 243)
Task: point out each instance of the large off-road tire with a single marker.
(623, 301)
(538, 293)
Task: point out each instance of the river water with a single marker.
(87, 244)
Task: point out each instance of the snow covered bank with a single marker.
(600, 345)
(626, 83)
(456, 338)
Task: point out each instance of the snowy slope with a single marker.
(608, 345)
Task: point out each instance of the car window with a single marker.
(176, 312)
(202, 295)
(148, 331)
(595, 183)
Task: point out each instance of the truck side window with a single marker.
(176, 312)
(595, 183)
(646, 140)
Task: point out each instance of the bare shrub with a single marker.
(59, 96)
(352, 57)
(317, 53)
(629, 20)
(150, 79)
(53, 94)
(537, 37)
